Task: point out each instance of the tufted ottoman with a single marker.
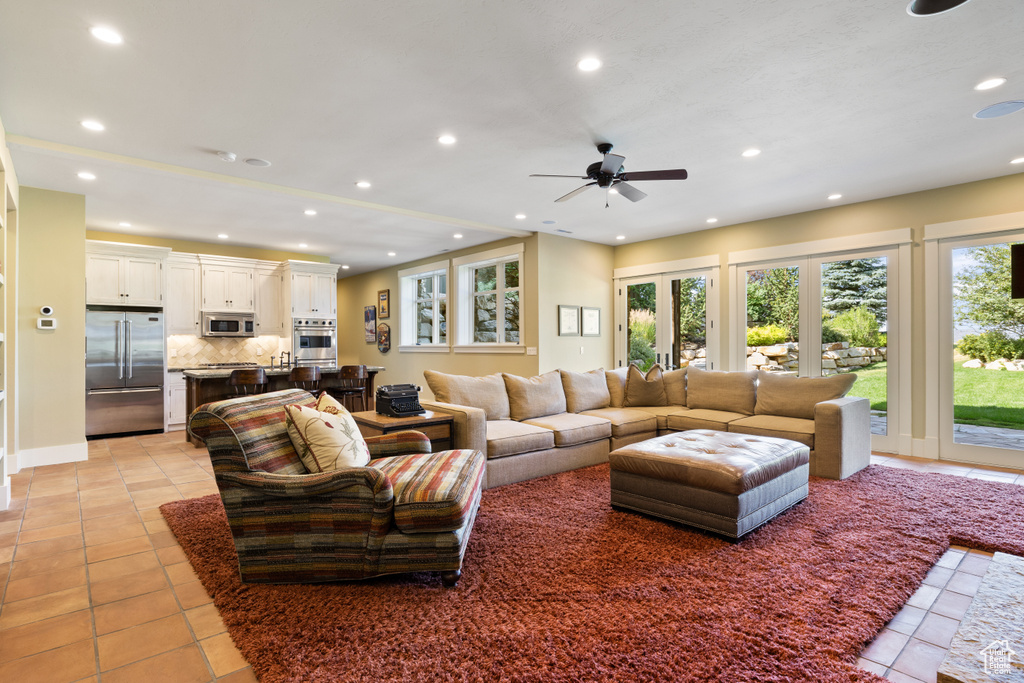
(723, 482)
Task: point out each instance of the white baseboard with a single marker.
(926, 448)
(50, 455)
(5, 494)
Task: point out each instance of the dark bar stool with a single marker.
(352, 385)
(305, 377)
(248, 381)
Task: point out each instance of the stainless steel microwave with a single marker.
(229, 325)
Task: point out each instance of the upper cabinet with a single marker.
(270, 317)
(182, 312)
(227, 284)
(124, 274)
(312, 289)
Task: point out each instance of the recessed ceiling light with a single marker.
(106, 34)
(457, 236)
(85, 175)
(833, 197)
(447, 139)
(520, 216)
(1000, 109)
(620, 237)
(222, 236)
(1018, 160)
(990, 83)
(712, 220)
(125, 224)
(302, 245)
(752, 152)
(345, 267)
(310, 212)
(363, 184)
(90, 124)
(257, 162)
(589, 64)
(391, 253)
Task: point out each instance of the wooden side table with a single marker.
(436, 426)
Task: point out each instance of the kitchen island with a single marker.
(205, 385)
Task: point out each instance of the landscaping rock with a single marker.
(974, 364)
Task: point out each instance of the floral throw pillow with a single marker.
(326, 440)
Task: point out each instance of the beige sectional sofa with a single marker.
(561, 420)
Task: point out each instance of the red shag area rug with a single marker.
(557, 586)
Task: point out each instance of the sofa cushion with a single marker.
(700, 418)
(534, 396)
(733, 392)
(661, 413)
(792, 428)
(325, 441)
(675, 387)
(790, 396)
(616, 380)
(626, 421)
(584, 390)
(508, 437)
(434, 492)
(571, 429)
(644, 390)
(486, 393)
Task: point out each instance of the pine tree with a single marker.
(858, 282)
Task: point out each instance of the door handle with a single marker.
(119, 349)
(128, 343)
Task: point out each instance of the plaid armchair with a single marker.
(410, 510)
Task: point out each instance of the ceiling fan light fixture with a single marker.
(927, 8)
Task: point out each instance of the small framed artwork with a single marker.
(568, 321)
(590, 326)
(383, 337)
(370, 324)
(384, 303)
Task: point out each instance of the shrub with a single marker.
(990, 346)
(766, 335)
(830, 335)
(859, 325)
(642, 353)
(642, 337)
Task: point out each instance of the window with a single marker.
(490, 294)
(424, 307)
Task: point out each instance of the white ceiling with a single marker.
(851, 97)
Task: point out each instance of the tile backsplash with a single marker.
(187, 350)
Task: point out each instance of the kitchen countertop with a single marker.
(214, 373)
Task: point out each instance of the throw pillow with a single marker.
(326, 441)
(325, 403)
(585, 390)
(675, 386)
(789, 396)
(616, 380)
(538, 396)
(486, 393)
(715, 390)
(644, 390)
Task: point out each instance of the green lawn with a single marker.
(987, 398)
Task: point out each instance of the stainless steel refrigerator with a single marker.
(124, 371)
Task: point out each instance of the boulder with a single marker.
(827, 364)
(974, 363)
(757, 359)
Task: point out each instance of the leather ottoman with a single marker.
(723, 482)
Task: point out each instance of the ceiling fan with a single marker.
(610, 174)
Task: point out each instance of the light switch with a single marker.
(531, 350)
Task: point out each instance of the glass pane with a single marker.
(773, 319)
(485, 317)
(425, 322)
(689, 325)
(512, 274)
(424, 287)
(512, 317)
(442, 322)
(640, 336)
(486, 279)
(854, 307)
(442, 283)
(988, 354)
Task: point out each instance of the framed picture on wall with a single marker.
(591, 323)
(383, 301)
(383, 338)
(370, 324)
(568, 321)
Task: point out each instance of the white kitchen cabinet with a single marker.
(182, 308)
(177, 415)
(124, 274)
(312, 289)
(227, 287)
(270, 319)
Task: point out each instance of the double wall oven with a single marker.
(315, 342)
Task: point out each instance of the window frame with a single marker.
(465, 296)
(408, 325)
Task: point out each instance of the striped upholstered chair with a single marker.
(410, 510)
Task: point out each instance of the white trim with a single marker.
(832, 245)
(493, 348)
(425, 268)
(927, 447)
(5, 495)
(53, 455)
(975, 226)
(931, 342)
(696, 263)
(905, 328)
(482, 256)
(124, 248)
(424, 348)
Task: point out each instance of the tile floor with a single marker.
(94, 586)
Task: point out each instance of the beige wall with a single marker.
(51, 362)
(216, 248)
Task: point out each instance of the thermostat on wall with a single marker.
(46, 323)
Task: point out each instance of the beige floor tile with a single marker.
(118, 533)
(205, 621)
(23, 569)
(123, 614)
(141, 642)
(222, 654)
(241, 676)
(171, 555)
(181, 573)
(44, 607)
(53, 546)
(128, 586)
(122, 566)
(41, 584)
(51, 532)
(128, 546)
(62, 665)
(40, 636)
(184, 665)
(192, 594)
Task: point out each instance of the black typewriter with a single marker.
(399, 400)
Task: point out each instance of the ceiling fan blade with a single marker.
(675, 174)
(612, 163)
(574, 192)
(629, 192)
(548, 175)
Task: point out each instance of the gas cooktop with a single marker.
(216, 366)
